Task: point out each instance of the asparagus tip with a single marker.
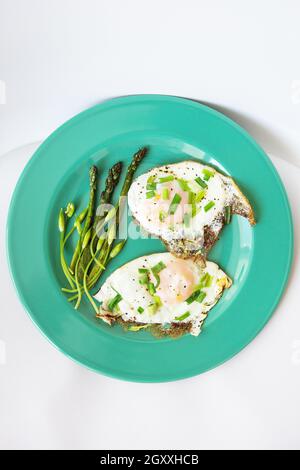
(138, 157)
(93, 174)
(116, 170)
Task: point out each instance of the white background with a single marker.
(58, 57)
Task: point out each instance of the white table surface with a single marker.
(58, 57)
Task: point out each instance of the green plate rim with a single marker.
(180, 100)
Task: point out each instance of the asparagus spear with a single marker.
(110, 184)
(89, 217)
(136, 160)
(106, 250)
(105, 198)
(91, 206)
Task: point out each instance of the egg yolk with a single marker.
(177, 282)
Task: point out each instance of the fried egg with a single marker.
(162, 289)
(186, 204)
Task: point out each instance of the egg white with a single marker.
(217, 191)
(125, 281)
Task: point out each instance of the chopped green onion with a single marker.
(187, 219)
(158, 267)
(137, 327)
(207, 174)
(165, 193)
(206, 280)
(151, 186)
(155, 270)
(209, 206)
(199, 196)
(201, 297)
(143, 270)
(140, 309)
(201, 182)
(150, 194)
(162, 216)
(157, 300)
(114, 302)
(194, 209)
(193, 297)
(144, 279)
(227, 214)
(183, 316)
(151, 288)
(197, 296)
(152, 309)
(151, 179)
(183, 184)
(117, 309)
(165, 179)
(191, 200)
(191, 197)
(157, 278)
(174, 204)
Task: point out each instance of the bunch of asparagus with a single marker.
(96, 244)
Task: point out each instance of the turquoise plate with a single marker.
(257, 259)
